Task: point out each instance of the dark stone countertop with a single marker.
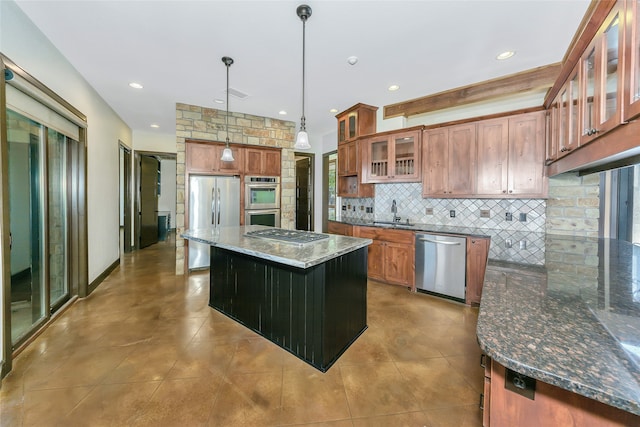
(574, 324)
(419, 227)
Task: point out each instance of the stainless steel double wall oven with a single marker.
(262, 200)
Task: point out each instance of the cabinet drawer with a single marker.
(387, 235)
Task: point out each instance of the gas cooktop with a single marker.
(288, 236)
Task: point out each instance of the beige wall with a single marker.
(194, 122)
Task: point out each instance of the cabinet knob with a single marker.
(510, 191)
(504, 191)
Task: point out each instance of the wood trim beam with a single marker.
(524, 81)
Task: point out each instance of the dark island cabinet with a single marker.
(313, 313)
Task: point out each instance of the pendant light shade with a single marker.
(302, 139)
(227, 154)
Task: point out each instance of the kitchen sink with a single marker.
(393, 224)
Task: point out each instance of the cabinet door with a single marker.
(231, 168)
(253, 161)
(200, 158)
(352, 158)
(552, 134)
(343, 160)
(477, 254)
(587, 94)
(271, 163)
(632, 60)
(398, 259)
(526, 155)
(375, 265)
(406, 157)
(462, 160)
(493, 156)
(435, 163)
(377, 151)
(342, 129)
(610, 81)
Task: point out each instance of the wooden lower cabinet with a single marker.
(477, 256)
(551, 407)
(391, 256)
(334, 227)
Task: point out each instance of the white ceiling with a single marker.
(174, 48)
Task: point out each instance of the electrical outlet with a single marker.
(485, 213)
(523, 217)
(508, 216)
(428, 211)
(508, 243)
(452, 213)
(361, 207)
(344, 207)
(523, 245)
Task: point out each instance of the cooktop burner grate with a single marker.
(289, 236)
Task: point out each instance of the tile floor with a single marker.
(146, 350)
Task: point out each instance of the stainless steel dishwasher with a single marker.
(441, 265)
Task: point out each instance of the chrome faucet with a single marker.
(394, 209)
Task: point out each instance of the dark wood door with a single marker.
(148, 201)
(303, 187)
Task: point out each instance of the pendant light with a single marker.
(227, 155)
(302, 139)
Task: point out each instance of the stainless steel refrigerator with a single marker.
(214, 202)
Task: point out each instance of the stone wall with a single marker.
(194, 122)
(573, 206)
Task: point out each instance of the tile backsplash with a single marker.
(517, 225)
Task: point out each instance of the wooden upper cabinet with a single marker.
(262, 161)
(526, 174)
(393, 157)
(601, 94)
(493, 156)
(449, 165)
(566, 123)
(348, 159)
(511, 153)
(356, 121)
(205, 158)
(631, 96)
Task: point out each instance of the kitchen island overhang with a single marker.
(310, 299)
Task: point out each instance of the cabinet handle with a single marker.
(510, 191)
(591, 131)
(483, 361)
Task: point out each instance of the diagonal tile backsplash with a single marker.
(520, 239)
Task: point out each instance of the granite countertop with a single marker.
(296, 255)
(427, 228)
(574, 324)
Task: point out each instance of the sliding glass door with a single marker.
(26, 213)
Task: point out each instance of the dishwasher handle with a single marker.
(439, 242)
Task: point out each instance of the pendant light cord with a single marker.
(227, 117)
(304, 27)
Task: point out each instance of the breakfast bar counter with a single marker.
(309, 297)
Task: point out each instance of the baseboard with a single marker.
(93, 285)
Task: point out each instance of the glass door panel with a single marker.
(379, 155)
(589, 71)
(28, 304)
(574, 119)
(352, 125)
(404, 156)
(58, 220)
(610, 90)
(635, 94)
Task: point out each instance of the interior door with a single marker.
(302, 194)
(148, 201)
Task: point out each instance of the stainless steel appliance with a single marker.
(214, 202)
(270, 217)
(441, 265)
(289, 236)
(262, 192)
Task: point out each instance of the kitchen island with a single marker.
(564, 339)
(308, 298)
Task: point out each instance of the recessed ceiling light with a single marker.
(282, 113)
(394, 87)
(155, 126)
(352, 60)
(218, 101)
(333, 110)
(505, 55)
(135, 85)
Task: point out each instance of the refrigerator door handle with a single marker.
(219, 206)
(213, 206)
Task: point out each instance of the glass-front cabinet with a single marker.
(356, 121)
(392, 157)
(600, 102)
(632, 57)
(566, 130)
